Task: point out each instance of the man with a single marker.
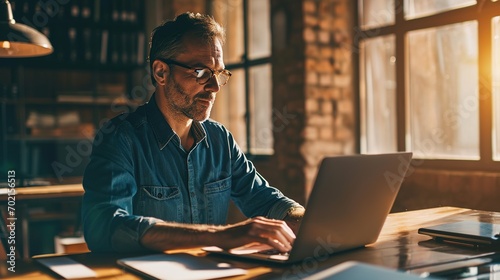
(162, 177)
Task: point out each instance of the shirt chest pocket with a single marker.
(217, 195)
(160, 202)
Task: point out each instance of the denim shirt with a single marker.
(140, 174)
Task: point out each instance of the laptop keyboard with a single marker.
(274, 252)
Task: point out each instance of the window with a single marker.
(429, 76)
(244, 104)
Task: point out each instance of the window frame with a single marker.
(246, 65)
(482, 12)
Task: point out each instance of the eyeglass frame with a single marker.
(213, 72)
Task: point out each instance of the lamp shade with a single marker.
(19, 40)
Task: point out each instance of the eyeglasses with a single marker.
(203, 74)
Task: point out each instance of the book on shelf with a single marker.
(49, 120)
(105, 93)
(89, 32)
(108, 93)
(82, 130)
(75, 96)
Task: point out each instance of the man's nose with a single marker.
(213, 84)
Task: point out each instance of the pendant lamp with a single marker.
(19, 40)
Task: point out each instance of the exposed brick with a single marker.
(311, 92)
(326, 51)
(325, 8)
(326, 134)
(342, 54)
(340, 8)
(326, 107)
(310, 20)
(309, 35)
(334, 93)
(345, 93)
(312, 78)
(310, 132)
(312, 50)
(342, 80)
(327, 93)
(325, 80)
(315, 151)
(310, 64)
(309, 6)
(340, 37)
(326, 24)
(345, 106)
(324, 66)
(343, 67)
(315, 120)
(343, 133)
(312, 105)
(324, 37)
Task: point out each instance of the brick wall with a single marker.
(312, 82)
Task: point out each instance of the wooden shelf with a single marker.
(46, 138)
(51, 216)
(44, 192)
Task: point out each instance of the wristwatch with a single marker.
(294, 214)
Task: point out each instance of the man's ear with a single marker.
(160, 70)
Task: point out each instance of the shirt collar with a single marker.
(162, 130)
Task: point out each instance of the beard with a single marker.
(196, 107)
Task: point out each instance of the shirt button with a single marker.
(160, 195)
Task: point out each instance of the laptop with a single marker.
(350, 200)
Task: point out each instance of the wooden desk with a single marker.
(398, 247)
(24, 196)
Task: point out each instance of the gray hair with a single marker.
(167, 39)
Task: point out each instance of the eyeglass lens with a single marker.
(204, 75)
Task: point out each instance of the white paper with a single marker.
(67, 268)
(180, 266)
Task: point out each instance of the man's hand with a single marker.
(168, 236)
(275, 233)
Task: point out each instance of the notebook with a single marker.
(353, 270)
(480, 234)
(179, 266)
(350, 200)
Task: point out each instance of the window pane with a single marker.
(259, 29)
(229, 13)
(229, 108)
(378, 98)
(261, 123)
(496, 87)
(421, 8)
(443, 92)
(376, 13)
